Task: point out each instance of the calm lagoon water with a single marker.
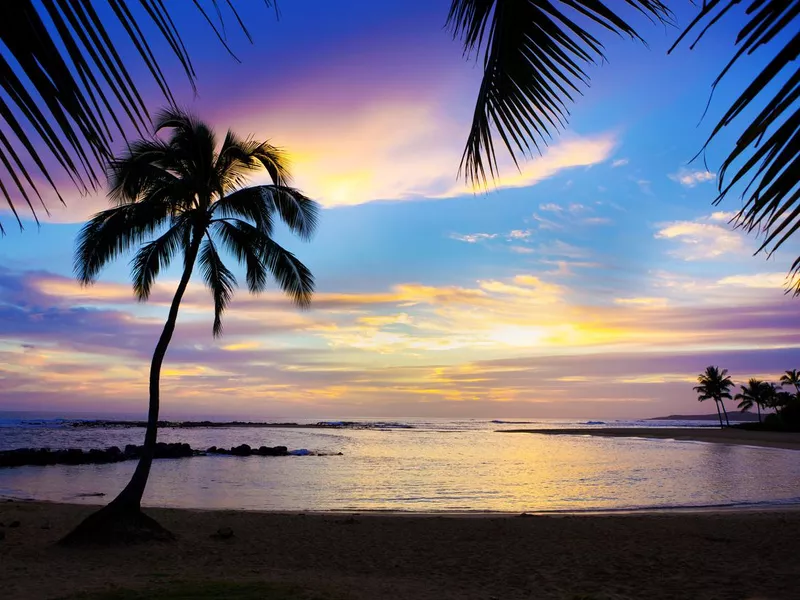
(416, 465)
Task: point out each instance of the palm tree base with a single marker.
(115, 525)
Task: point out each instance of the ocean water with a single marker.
(415, 465)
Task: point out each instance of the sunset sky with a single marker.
(595, 282)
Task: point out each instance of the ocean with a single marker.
(426, 465)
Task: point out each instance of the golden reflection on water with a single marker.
(436, 471)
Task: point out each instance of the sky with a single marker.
(596, 281)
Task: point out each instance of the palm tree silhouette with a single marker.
(715, 385)
(196, 192)
(791, 378)
(756, 393)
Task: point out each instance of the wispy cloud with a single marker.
(473, 238)
(701, 239)
(690, 179)
(620, 162)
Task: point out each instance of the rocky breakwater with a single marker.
(76, 456)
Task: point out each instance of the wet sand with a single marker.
(740, 437)
(703, 556)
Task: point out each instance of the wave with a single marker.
(364, 425)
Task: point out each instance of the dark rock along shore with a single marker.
(75, 456)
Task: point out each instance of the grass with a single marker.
(209, 591)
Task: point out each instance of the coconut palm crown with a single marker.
(185, 196)
(714, 385)
(756, 393)
(791, 378)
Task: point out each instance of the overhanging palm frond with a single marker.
(536, 53)
(67, 90)
(219, 280)
(766, 158)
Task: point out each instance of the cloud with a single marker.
(644, 301)
(473, 238)
(690, 179)
(596, 221)
(772, 281)
(567, 154)
(620, 162)
(522, 250)
(519, 234)
(701, 239)
(410, 345)
(551, 207)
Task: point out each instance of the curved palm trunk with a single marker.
(131, 496)
(719, 414)
(725, 412)
(758, 408)
(121, 519)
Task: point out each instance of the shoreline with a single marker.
(736, 437)
(744, 508)
(360, 556)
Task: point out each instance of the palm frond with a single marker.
(219, 280)
(766, 157)
(297, 210)
(67, 90)
(243, 241)
(114, 231)
(239, 158)
(248, 204)
(145, 166)
(293, 277)
(195, 145)
(535, 57)
(156, 255)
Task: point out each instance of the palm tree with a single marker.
(715, 385)
(79, 92)
(791, 378)
(757, 393)
(195, 194)
(535, 56)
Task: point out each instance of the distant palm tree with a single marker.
(756, 393)
(791, 378)
(196, 192)
(715, 385)
(536, 54)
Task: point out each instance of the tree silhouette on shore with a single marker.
(715, 385)
(197, 192)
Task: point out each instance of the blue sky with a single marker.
(594, 282)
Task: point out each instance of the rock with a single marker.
(276, 451)
(223, 533)
(243, 450)
(14, 524)
(2, 535)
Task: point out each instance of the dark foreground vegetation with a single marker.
(75, 456)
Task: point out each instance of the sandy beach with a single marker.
(724, 555)
(739, 437)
